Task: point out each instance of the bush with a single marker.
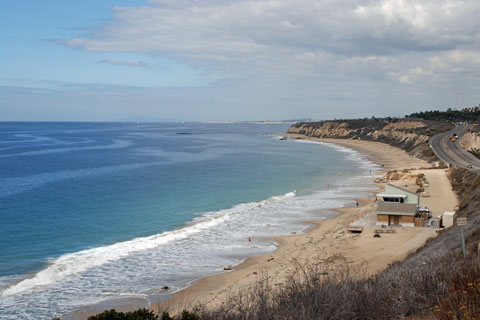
(462, 300)
(184, 316)
(141, 314)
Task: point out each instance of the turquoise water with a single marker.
(96, 211)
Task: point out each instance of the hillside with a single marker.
(471, 141)
(407, 134)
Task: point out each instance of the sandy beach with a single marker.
(330, 238)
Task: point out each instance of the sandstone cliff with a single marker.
(410, 135)
(471, 142)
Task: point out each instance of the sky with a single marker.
(222, 60)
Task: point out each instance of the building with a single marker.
(398, 194)
(396, 214)
(397, 207)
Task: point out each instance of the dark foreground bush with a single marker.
(141, 314)
(462, 300)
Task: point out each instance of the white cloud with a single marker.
(127, 63)
(298, 37)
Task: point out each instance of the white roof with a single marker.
(391, 195)
(449, 213)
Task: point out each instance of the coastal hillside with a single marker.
(471, 141)
(410, 135)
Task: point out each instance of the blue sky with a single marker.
(121, 60)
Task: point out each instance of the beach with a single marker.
(329, 239)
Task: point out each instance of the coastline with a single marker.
(325, 240)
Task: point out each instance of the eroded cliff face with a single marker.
(471, 142)
(411, 136)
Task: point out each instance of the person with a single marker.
(357, 204)
(249, 239)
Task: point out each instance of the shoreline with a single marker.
(213, 290)
(185, 298)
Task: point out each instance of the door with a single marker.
(396, 220)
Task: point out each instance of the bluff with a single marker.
(471, 141)
(409, 135)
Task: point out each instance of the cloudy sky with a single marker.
(164, 60)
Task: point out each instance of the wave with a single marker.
(117, 144)
(78, 262)
(17, 185)
(53, 144)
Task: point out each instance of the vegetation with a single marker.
(452, 115)
(462, 300)
(141, 314)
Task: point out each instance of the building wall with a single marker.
(411, 197)
(382, 218)
(407, 221)
(404, 221)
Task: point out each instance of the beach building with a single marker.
(396, 214)
(398, 194)
(397, 207)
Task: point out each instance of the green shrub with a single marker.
(140, 314)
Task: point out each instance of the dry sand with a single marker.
(328, 239)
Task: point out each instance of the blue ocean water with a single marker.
(93, 212)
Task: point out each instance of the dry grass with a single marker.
(334, 291)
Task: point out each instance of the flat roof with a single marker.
(403, 189)
(391, 195)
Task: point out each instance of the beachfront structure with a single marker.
(397, 207)
(447, 219)
(398, 194)
(396, 214)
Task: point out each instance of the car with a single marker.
(469, 166)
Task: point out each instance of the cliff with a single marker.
(410, 135)
(471, 141)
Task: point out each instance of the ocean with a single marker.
(96, 214)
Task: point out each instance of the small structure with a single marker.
(396, 214)
(355, 229)
(434, 223)
(447, 219)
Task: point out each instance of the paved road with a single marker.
(450, 152)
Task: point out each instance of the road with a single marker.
(450, 152)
